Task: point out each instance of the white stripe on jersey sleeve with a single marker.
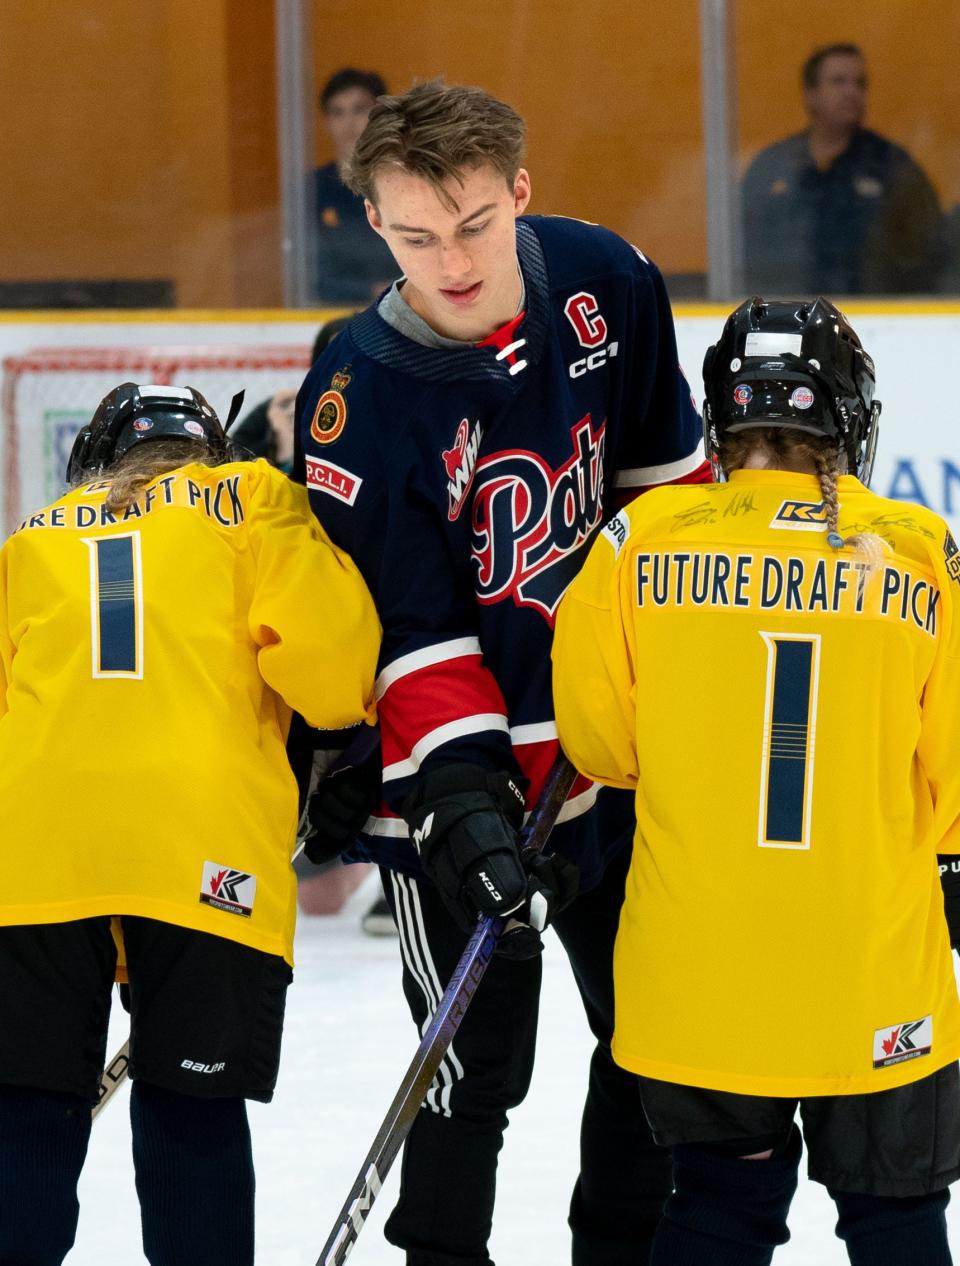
(443, 734)
(644, 476)
(424, 658)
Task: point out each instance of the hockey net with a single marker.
(47, 394)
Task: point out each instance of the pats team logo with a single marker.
(801, 516)
(742, 394)
(226, 889)
(330, 415)
(460, 463)
(901, 1042)
(583, 313)
(143, 424)
(529, 521)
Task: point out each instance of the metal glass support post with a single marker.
(719, 100)
(294, 28)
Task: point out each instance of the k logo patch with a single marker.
(227, 889)
(951, 556)
(801, 516)
(901, 1042)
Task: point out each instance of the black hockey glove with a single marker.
(339, 807)
(552, 883)
(464, 821)
(950, 882)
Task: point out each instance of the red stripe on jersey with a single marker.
(536, 760)
(421, 701)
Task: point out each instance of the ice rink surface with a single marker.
(347, 1043)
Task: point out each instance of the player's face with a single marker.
(460, 261)
(839, 99)
(346, 116)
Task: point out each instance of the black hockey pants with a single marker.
(448, 1178)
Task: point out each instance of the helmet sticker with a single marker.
(772, 343)
(194, 427)
(143, 424)
(735, 364)
(801, 397)
(742, 394)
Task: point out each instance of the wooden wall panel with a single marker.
(610, 91)
(139, 139)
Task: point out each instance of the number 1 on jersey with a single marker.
(789, 730)
(116, 605)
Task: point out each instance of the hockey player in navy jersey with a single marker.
(463, 439)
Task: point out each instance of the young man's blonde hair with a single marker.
(434, 131)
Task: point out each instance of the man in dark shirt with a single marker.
(352, 263)
(839, 209)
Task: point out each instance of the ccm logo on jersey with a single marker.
(801, 516)
(902, 1041)
(327, 477)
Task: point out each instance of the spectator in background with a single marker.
(352, 263)
(267, 430)
(839, 209)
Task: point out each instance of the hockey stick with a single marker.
(112, 1077)
(418, 1078)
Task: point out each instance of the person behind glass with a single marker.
(463, 438)
(267, 430)
(153, 641)
(783, 939)
(839, 209)
(352, 263)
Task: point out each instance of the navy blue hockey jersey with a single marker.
(467, 485)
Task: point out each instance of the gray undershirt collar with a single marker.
(401, 317)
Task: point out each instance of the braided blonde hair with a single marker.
(787, 448)
(131, 473)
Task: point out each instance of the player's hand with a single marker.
(337, 810)
(464, 821)
(552, 883)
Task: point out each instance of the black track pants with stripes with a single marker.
(448, 1177)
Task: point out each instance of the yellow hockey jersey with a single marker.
(149, 662)
(791, 727)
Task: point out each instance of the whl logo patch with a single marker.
(226, 889)
(460, 463)
(801, 516)
(902, 1042)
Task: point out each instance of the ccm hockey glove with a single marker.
(464, 822)
(950, 882)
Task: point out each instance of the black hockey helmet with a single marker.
(796, 364)
(130, 414)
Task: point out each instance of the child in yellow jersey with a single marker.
(772, 665)
(154, 642)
